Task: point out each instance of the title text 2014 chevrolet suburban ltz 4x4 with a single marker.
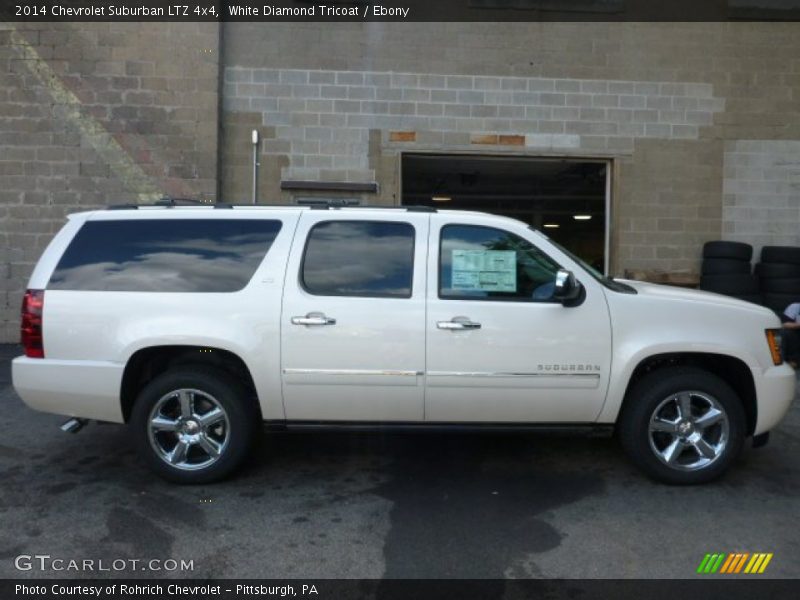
(194, 325)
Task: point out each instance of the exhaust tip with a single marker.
(74, 425)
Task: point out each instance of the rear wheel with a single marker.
(682, 426)
(193, 426)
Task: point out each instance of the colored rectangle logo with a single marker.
(734, 563)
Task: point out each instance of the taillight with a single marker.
(31, 328)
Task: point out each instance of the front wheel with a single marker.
(682, 425)
(192, 425)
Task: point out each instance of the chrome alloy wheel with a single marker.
(188, 429)
(689, 430)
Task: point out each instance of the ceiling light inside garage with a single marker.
(437, 198)
(551, 225)
(582, 217)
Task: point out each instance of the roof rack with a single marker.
(335, 205)
(170, 202)
(166, 201)
(322, 205)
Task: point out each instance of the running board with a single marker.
(587, 429)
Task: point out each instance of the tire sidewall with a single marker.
(781, 286)
(725, 266)
(777, 270)
(649, 393)
(731, 250)
(781, 254)
(230, 395)
(733, 283)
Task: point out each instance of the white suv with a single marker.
(196, 324)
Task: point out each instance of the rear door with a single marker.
(353, 318)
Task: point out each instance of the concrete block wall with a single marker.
(96, 114)
(321, 119)
(761, 201)
(668, 179)
(92, 114)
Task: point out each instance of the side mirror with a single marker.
(567, 289)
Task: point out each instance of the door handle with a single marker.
(458, 323)
(313, 319)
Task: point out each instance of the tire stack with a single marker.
(726, 270)
(779, 272)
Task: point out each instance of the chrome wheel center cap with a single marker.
(685, 428)
(191, 427)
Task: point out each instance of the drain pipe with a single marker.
(256, 164)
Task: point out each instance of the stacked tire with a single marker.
(779, 275)
(726, 270)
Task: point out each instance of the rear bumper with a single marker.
(77, 388)
(775, 392)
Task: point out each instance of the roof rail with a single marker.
(337, 204)
(170, 202)
(328, 205)
(166, 201)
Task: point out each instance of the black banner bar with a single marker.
(730, 588)
(269, 11)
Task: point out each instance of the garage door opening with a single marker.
(566, 199)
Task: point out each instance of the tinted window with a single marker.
(170, 255)
(483, 263)
(359, 258)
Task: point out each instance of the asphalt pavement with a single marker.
(372, 505)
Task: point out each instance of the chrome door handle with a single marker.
(313, 319)
(458, 324)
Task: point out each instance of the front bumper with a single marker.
(775, 390)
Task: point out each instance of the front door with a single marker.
(353, 318)
(499, 347)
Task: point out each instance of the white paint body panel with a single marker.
(77, 388)
(91, 328)
(385, 360)
(663, 319)
(522, 364)
(369, 365)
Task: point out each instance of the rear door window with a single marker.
(359, 258)
(165, 255)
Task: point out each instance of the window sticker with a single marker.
(485, 270)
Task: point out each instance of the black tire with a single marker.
(781, 254)
(777, 270)
(732, 285)
(725, 266)
(660, 387)
(735, 250)
(781, 286)
(779, 302)
(211, 386)
(754, 298)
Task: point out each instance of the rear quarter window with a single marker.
(169, 255)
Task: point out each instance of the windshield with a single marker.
(608, 282)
